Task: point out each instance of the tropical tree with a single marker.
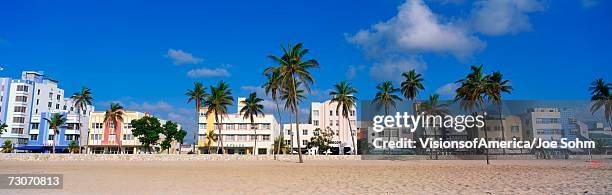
(386, 98)
(114, 116)
(273, 89)
(280, 145)
(252, 108)
(169, 130)
(180, 138)
(147, 130)
(196, 95)
(7, 147)
(433, 107)
(289, 105)
(3, 127)
(413, 82)
(344, 95)
(496, 86)
(211, 137)
(73, 147)
(472, 92)
(600, 97)
(321, 140)
(56, 121)
(217, 102)
(81, 100)
(293, 68)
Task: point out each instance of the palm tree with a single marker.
(81, 100)
(289, 105)
(197, 95)
(273, 89)
(252, 108)
(386, 98)
(435, 108)
(344, 95)
(7, 147)
(497, 86)
(217, 102)
(413, 82)
(472, 92)
(280, 145)
(600, 97)
(114, 116)
(56, 121)
(291, 69)
(210, 138)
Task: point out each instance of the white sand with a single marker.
(317, 177)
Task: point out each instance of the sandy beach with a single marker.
(318, 177)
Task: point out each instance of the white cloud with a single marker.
(416, 29)
(499, 17)
(352, 71)
(448, 90)
(207, 72)
(589, 3)
(391, 69)
(180, 57)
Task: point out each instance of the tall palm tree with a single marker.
(114, 116)
(217, 102)
(81, 100)
(196, 95)
(386, 98)
(291, 69)
(273, 89)
(280, 145)
(413, 82)
(56, 121)
(472, 92)
(210, 137)
(497, 86)
(433, 107)
(289, 105)
(344, 95)
(600, 97)
(252, 107)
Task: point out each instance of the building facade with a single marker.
(325, 116)
(237, 133)
(544, 123)
(25, 102)
(105, 138)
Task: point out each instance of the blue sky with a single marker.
(145, 54)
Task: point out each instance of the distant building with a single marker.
(543, 123)
(26, 101)
(237, 133)
(325, 116)
(511, 125)
(105, 138)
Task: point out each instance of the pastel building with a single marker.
(25, 102)
(511, 126)
(105, 138)
(324, 116)
(237, 133)
(543, 123)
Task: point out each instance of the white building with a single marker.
(237, 133)
(324, 115)
(24, 101)
(543, 123)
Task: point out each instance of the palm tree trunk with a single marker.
(254, 129)
(486, 138)
(197, 126)
(297, 127)
(501, 124)
(435, 139)
(352, 136)
(281, 129)
(291, 131)
(54, 136)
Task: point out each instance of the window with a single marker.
(304, 142)
(58, 97)
(253, 137)
(288, 132)
(547, 120)
(96, 136)
(50, 95)
(50, 104)
(242, 138)
(315, 122)
(331, 113)
(18, 119)
(316, 132)
(243, 126)
(352, 112)
(35, 125)
(288, 142)
(337, 123)
(17, 131)
(331, 123)
(304, 131)
(112, 137)
(128, 137)
(21, 109)
(22, 88)
(336, 112)
(315, 113)
(37, 101)
(21, 98)
(266, 126)
(36, 111)
(514, 128)
(34, 137)
(266, 137)
(57, 106)
(255, 126)
(38, 93)
(51, 137)
(70, 137)
(231, 126)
